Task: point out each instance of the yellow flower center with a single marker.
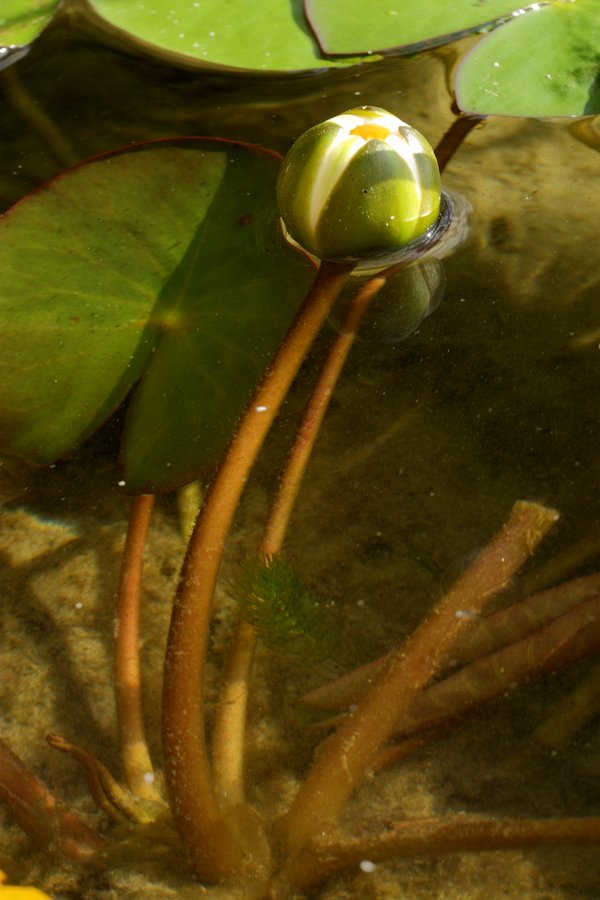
(368, 132)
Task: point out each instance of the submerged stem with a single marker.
(297, 462)
(37, 118)
(215, 850)
(434, 836)
(228, 739)
(454, 136)
(345, 756)
(134, 749)
(510, 627)
(230, 725)
(40, 814)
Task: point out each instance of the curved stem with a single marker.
(134, 749)
(454, 136)
(486, 636)
(230, 725)
(436, 836)
(40, 814)
(313, 417)
(40, 122)
(346, 755)
(216, 853)
(572, 713)
(228, 738)
(567, 639)
(107, 793)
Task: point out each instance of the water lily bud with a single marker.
(359, 185)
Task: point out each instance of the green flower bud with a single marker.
(359, 185)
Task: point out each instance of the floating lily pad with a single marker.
(22, 20)
(546, 63)
(264, 35)
(158, 269)
(355, 26)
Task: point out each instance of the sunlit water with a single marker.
(428, 442)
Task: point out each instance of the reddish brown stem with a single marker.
(518, 621)
(228, 758)
(118, 803)
(300, 453)
(572, 713)
(215, 850)
(568, 638)
(394, 753)
(128, 692)
(344, 757)
(38, 812)
(454, 136)
(435, 836)
(484, 636)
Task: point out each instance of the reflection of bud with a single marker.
(408, 296)
(358, 185)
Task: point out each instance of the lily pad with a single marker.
(22, 20)
(242, 34)
(503, 76)
(357, 27)
(160, 269)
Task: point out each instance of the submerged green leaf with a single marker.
(502, 75)
(22, 20)
(161, 265)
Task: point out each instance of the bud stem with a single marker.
(454, 136)
(215, 851)
(228, 739)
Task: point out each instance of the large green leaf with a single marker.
(250, 34)
(543, 64)
(356, 26)
(160, 263)
(22, 20)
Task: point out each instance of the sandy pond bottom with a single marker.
(427, 445)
